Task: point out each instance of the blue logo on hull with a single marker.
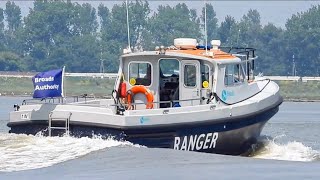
(143, 120)
(225, 94)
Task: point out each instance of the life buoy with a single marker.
(140, 89)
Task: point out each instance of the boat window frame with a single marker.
(170, 59)
(240, 74)
(151, 80)
(184, 84)
(209, 75)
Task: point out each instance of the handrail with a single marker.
(90, 104)
(59, 100)
(241, 50)
(163, 102)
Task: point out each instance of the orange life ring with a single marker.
(140, 89)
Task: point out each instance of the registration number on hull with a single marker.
(196, 142)
(25, 116)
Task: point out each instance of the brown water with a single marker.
(292, 136)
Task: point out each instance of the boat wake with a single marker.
(22, 152)
(269, 148)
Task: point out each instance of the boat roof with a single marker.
(215, 55)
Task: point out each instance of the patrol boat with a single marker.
(184, 97)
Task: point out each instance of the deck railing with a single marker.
(59, 100)
(172, 103)
(94, 102)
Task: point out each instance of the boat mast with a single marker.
(205, 26)
(128, 27)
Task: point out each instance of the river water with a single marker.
(289, 148)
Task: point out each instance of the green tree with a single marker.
(170, 23)
(85, 56)
(1, 20)
(13, 16)
(271, 51)
(249, 29)
(59, 33)
(138, 21)
(109, 46)
(12, 35)
(10, 62)
(303, 41)
(104, 15)
(2, 37)
(115, 27)
(84, 19)
(45, 21)
(114, 30)
(228, 32)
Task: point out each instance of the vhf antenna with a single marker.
(205, 26)
(128, 29)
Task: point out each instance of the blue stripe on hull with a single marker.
(228, 137)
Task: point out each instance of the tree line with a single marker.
(59, 33)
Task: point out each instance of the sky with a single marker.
(273, 11)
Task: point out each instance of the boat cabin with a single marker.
(185, 75)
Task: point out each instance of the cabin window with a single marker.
(205, 69)
(140, 73)
(233, 74)
(190, 75)
(169, 68)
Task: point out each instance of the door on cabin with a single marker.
(190, 83)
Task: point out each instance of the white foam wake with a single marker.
(22, 152)
(290, 151)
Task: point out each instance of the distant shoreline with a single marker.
(102, 86)
(301, 100)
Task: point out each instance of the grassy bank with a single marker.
(74, 86)
(292, 90)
